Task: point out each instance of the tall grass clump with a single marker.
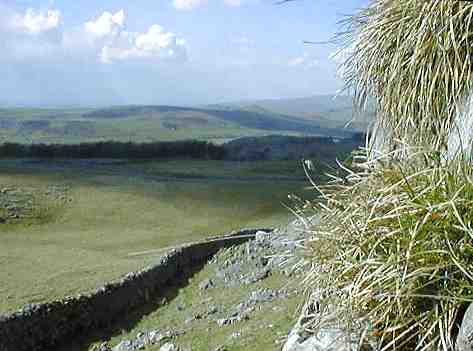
(414, 59)
(394, 250)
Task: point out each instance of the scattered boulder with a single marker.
(331, 336)
(142, 340)
(232, 319)
(246, 264)
(256, 276)
(17, 203)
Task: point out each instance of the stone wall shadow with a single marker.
(129, 321)
(115, 307)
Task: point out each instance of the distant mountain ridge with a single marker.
(330, 111)
(249, 118)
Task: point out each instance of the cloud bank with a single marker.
(35, 22)
(105, 39)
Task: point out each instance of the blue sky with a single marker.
(181, 52)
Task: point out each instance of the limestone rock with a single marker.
(262, 237)
(125, 345)
(333, 336)
(465, 335)
(326, 340)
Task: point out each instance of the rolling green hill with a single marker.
(328, 111)
(319, 116)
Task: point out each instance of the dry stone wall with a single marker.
(45, 326)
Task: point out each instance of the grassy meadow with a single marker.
(116, 209)
(217, 123)
(70, 126)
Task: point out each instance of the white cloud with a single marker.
(305, 61)
(106, 24)
(188, 4)
(35, 34)
(107, 39)
(154, 44)
(30, 33)
(35, 22)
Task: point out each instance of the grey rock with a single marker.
(257, 276)
(262, 295)
(230, 273)
(142, 340)
(331, 337)
(262, 237)
(465, 335)
(325, 340)
(125, 345)
(233, 319)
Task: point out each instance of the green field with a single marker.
(70, 126)
(117, 209)
(218, 123)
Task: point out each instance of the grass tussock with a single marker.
(414, 58)
(395, 249)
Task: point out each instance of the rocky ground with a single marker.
(30, 203)
(246, 298)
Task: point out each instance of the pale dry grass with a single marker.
(413, 57)
(395, 249)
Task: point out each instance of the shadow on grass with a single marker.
(129, 321)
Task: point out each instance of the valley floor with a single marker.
(109, 211)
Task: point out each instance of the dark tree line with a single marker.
(112, 149)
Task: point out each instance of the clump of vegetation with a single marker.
(394, 247)
(396, 242)
(414, 58)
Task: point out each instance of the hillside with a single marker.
(328, 111)
(318, 116)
